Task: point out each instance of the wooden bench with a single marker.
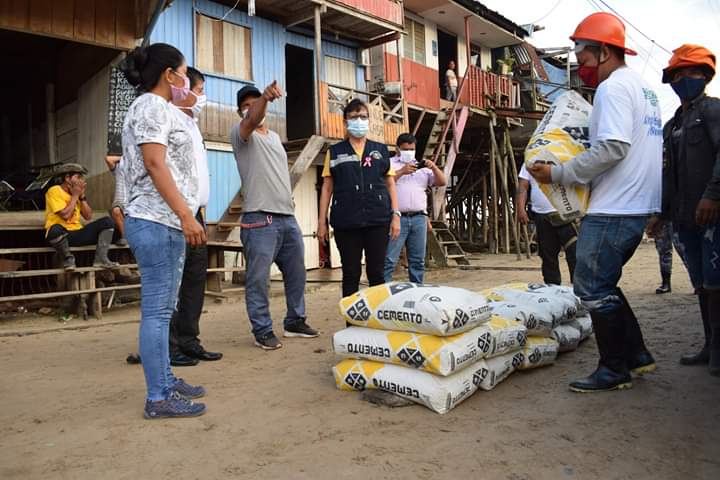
(79, 282)
(82, 280)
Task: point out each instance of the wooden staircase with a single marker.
(442, 148)
(444, 246)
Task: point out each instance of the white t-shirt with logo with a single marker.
(538, 201)
(627, 109)
(201, 160)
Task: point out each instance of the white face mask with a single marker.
(200, 102)
(407, 156)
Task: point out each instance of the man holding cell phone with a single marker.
(412, 179)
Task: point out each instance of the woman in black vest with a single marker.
(358, 177)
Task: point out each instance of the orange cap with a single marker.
(602, 27)
(689, 55)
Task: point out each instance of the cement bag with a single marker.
(554, 299)
(583, 324)
(438, 355)
(506, 335)
(411, 307)
(440, 394)
(561, 294)
(539, 352)
(562, 134)
(538, 322)
(492, 371)
(567, 336)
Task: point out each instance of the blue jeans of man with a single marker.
(413, 236)
(701, 246)
(277, 239)
(160, 254)
(604, 245)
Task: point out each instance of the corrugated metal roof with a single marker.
(493, 16)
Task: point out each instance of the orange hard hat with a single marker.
(602, 27)
(689, 55)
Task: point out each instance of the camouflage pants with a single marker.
(664, 243)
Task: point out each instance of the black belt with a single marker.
(413, 214)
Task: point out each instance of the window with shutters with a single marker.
(223, 48)
(414, 41)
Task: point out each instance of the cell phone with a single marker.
(421, 164)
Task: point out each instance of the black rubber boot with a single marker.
(714, 321)
(612, 372)
(637, 357)
(62, 247)
(703, 356)
(665, 287)
(101, 252)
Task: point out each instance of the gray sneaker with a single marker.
(187, 390)
(176, 406)
(268, 341)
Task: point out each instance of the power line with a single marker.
(547, 14)
(636, 28)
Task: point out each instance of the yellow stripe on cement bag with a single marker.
(562, 134)
(431, 353)
(539, 352)
(410, 307)
(440, 394)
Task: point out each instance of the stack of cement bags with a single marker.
(430, 344)
(552, 314)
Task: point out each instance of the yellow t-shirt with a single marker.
(55, 200)
(326, 166)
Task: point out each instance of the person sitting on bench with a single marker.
(64, 204)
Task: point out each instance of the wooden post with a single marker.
(506, 195)
(318, 69)
(514, 174)
(401, 79)
(493, 187)
(51, 129)
(468, 50)
(483, 202)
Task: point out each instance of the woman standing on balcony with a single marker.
(162, 200)
(451, 82)
(358, 177)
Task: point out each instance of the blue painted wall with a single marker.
(224, 182)
(268, 39)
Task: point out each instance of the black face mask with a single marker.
(688, 88)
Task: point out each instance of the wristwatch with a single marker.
(397, 212)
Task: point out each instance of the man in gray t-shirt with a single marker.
(269, 232)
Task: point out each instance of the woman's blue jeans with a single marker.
(160, 254)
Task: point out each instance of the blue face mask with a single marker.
(688, 88)
(358, 127)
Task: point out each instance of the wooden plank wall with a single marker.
(421, 83)
(107, 23)
(390, 10)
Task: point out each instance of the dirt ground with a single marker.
(71, 408)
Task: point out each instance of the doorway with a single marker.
(300, 98)
(447, 51)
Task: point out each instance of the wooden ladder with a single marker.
(444, 246)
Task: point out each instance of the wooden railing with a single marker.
(489, 90)
(387, 114)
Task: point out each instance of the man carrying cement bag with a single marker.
(559, 137)
(624, 167)
(411, 307)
